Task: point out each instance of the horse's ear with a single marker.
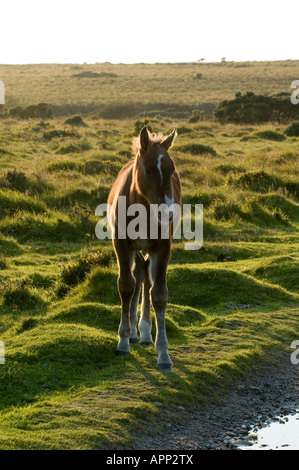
(144, 139)
(168, 141)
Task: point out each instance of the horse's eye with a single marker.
(148, 171)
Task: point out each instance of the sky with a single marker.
(134, 31)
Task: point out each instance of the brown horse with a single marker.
(149, 180)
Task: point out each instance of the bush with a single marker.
(259, 181)
(292, 130)
(82, 146)
(65, 165)
(255, 109)
(197, 115)
(197, 149)
(75, 272)
(28, 324)
(20, 297)
(71, 148)
(76, 121)
(105, 166)
(3, 262)
(55, 133)
(271, 135)
(90, 74)
(17, 180)
(35, 111)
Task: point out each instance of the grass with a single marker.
(62, 386)
(122, 91)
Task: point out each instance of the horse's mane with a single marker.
(154, 139)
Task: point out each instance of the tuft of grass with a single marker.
(65, 165)
(73, 273)
(21, 297)
(197, 149)
(271, 135)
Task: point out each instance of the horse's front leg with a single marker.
(126, 288)
(159, 295)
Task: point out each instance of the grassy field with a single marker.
(121, 90)
(62, 386)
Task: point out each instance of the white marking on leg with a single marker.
(145, 329)
(159, 167)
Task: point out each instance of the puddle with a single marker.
(279, 435)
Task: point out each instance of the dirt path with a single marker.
(270, 396)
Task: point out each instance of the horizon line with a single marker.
(197, 62)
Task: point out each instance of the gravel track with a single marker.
(256, 401)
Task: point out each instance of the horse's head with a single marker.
(154, 169)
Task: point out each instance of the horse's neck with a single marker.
(134, 195)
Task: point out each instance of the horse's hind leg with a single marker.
(145, 323)
(138, 273)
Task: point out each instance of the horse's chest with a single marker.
(140, 245)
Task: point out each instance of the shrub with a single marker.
(76, 121)
(28, 324)
(81, 146)
(17, 180)
(225, 211)
(55, 133)
(271, 135)
(90, 74)
(259, 181)
(225, 169)
(75, 272)
(197, 149)
(20, 297)
(292, 130)
(35, 111)
(3, 262)
(197, 115)
(65, 165)
(255, 109)
(71, 148)
(106, 166)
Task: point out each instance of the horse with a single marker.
(149, 180)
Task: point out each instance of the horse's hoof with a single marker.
(122, 353)
(133, 341)
(165, 368)
(147, 343)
